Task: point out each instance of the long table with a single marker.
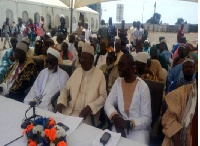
(12, 114)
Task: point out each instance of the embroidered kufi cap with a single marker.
(188, 60)
(22, 46)
(88, 48)
(26, 41)
(142, 57)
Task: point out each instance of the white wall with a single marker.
(19, 7)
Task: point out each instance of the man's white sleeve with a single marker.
(111, 101)
(144, 121)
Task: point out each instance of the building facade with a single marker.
(51, 10)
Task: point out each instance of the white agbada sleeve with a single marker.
(111, 100)
(32, 93)
(62, 99)
(144, 121)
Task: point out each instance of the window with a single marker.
(48, 21)
(86, 20)
(74, 20)
(36, 18)
(57, 21)
(24, 17)
(67, 21)
(97, 24)
(92, 23)
(9, 14)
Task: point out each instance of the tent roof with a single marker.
(56, 3)
(87, 9)
(81, 3)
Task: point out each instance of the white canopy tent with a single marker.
(81, 3)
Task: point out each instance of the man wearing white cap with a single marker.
(188, 74)
(142, 62)
(21, 75)
(86, 87)
(152, 65)
(130, 94)
(146, 47)
(30, 52)
(87, 32)
(50, 81)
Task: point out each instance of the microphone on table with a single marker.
(32, 104)
(36, 101)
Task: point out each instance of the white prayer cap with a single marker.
(49, 34)
(188, 60)
(22, 46)
(163, 40)
(26, 41)
(142, 57)
(80, 44)
(88, 48)
(53, 52)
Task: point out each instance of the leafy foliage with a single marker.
(155, 19)
(181, 21)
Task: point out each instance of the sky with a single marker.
(170, 10)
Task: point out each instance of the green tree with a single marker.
(180, 21)
(155, 19)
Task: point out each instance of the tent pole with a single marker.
(71, 16)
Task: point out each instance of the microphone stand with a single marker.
(34, 114)
(27, 121)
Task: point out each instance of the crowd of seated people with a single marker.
(109, 82)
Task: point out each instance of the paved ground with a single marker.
(153, 38)
(171, 38)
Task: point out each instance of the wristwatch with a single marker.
(129, 126)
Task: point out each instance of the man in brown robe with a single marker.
(180, 122)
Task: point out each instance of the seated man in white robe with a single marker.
(132, 97)
(50, 81)
(87, 90)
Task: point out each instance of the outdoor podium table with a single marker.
(12, 114)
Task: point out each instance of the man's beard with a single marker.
(188, 77)
(51, 70)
